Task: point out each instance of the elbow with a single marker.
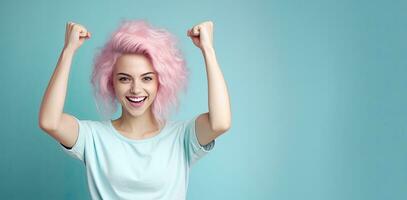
(221, 128)
(46, 125)
(221, 125)
(47, 122)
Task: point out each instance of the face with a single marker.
(135, 83)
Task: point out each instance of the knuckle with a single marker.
(209, 23)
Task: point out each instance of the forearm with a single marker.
(218, 96)
(54, 98)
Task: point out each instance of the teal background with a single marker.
(318, 93)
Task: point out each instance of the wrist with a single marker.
(208, 50)
(68, 49)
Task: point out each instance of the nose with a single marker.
(135, 87)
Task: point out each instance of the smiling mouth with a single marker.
(133, 100)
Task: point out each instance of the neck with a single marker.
(138, 126)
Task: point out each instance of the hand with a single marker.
(202, 35)
(75, 35)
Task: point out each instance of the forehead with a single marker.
(133, 64)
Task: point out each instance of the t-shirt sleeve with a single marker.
(194, 150)
(84, 133)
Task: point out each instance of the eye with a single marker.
(123, 79)
(148, 78)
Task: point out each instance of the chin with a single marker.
(136, 112)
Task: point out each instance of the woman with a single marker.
(142, 154)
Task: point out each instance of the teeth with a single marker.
(137, 99)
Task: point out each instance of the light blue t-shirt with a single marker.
(118, 167)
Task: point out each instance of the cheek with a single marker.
(154, 88)
(120, 89)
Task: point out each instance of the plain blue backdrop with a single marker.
(318, 94)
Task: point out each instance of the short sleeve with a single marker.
(78, 150)
(194, 150)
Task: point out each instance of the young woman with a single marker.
(142, 154)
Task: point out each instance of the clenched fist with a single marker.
(202, 35)
(75, 35)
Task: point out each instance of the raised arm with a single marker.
(218, 120)
(61, 126)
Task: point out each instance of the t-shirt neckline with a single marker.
(160, 134)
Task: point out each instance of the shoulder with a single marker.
(90, 125)
(91, 122)
(177, 123)
(182, 125)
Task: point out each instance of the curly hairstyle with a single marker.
(160, 47)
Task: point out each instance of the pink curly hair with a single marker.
(158, 45)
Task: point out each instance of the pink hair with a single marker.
(158, 45)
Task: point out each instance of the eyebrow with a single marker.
(130, 75)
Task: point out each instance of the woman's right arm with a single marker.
(61, 126)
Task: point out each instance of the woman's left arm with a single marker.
(218, 120)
